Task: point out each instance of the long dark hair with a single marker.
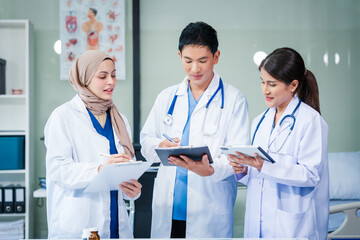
(286, 65)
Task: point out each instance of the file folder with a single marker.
(1, 199)
(8, 199)
(19, 199)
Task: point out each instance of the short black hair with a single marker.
(199, 33)
(94, 11)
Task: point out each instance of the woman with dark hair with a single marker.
(288, 198)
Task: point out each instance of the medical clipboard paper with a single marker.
(249, 150)
(112, 175)
(195, 153)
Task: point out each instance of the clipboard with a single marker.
(195, 153)
(112, 175)
(248, 150)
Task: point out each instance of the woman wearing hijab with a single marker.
(75, 134)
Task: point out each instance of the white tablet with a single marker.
(248, 150)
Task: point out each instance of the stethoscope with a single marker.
(169, 118)
(282, 120)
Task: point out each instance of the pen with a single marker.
(107, 155)
(104, 155)
(169, 138)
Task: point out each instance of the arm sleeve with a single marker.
(61, 168)
(150, 135)
(305, 172)
(130, 135)
(126, 197)
(242, 177)
(237, 134)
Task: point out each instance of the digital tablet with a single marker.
(195, 153)
(248, 150)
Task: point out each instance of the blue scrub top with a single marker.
(107, 132)
(181, 179)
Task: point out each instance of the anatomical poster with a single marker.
(92, 24)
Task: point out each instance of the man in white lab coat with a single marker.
(195, 199)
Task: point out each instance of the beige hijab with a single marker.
(80, 75)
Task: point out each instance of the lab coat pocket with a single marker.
(284, 159)
(291, 225)
(69, 221)
(212, 118)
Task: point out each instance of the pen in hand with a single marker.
(107, 155)
(104, 155)
(168, 138)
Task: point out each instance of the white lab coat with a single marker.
(290, 198)
(210, 200)
(72, 160)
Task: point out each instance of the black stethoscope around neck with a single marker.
(169, 118)
(282, 120)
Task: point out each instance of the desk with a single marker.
(188, 239)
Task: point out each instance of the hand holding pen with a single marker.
(169, 142)
(114, 158)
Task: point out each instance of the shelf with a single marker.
(12, 132)
(10, 96)
(40, 193)
(21, 171)
(7, 215)
(13, 23)
(17, 111)
(8, 177)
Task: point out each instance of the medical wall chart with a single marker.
(92, 24)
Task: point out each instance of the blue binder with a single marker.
(12, 150)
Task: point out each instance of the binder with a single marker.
(19, 199)
(8, 199)
(2, 76)
(1, 199)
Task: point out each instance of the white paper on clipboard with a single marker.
(112, 175)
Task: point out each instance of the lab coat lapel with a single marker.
(181, 110)
(289, 109)
(276, 133)
(79, 106)
(266, 135)
(209, 92)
